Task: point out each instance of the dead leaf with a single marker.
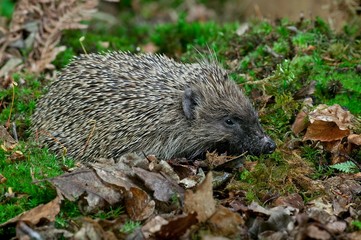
(183, 170)
(320, 215)
(164, 168)
(309, 49)
(42, 212)
(314, 232)
(321, 204)
(176, 227)
(153, 226)
(150, 48)
(114, 175)
(221, 178)
(163, 187)
(305, 91)
(11, 64)
(224, 222)
(301, 122)
(138, 204)
(85, 181)
(91, 229)
(325, 131)
(16, 156)
(343, 190)
(29, 231)
(279, 218)
(338, 149)
(192, 180)
(353, 236)
(334, 113)
(2, 179)
(293, 200)
(8, 142)
(354, 139)
(201, 200)
(214, 160)
(337, 227)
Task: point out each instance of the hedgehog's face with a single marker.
(225, 122)
(237, 136)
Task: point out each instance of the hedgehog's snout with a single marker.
(268, 145)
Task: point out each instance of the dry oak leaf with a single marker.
(325, 132)
(34, 216)
(278, 218)
(2, 179)
(329, 123)
(91, 229)
(201, 201)
(225, 222)
(113, 175)
(85, 181)
(354, 139)
(343, 190)
(293, 200)
(176, 227)
(26, 231)
(152, 226)
(8, 142)
(163, 187)
(301, 122)
(138, 204)
(334, 113)
(315, 232)
(215, 160)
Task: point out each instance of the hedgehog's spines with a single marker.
(136, 104)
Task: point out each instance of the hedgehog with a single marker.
(106, 105)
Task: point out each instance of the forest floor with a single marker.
(303, 78)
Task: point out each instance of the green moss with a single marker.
(266, 179)
(25, 95)
(7, 8)
(130, 226)
(110, 214)
(181, 37)
(38, 164)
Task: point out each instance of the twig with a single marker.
(262, 81)
(273, 53)
(91, 134)
(27, 231)
(46, 133)
(15, 134)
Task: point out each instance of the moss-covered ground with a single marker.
(275, 59)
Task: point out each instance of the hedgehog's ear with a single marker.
(189, 102)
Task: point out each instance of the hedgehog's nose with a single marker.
(269, 145)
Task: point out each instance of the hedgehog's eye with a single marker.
(229, 122)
